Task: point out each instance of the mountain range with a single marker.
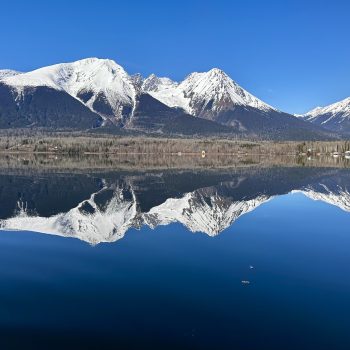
(99, 94)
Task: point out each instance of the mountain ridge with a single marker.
(115, 98)
(335, 117)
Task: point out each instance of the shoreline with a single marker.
(64, 144)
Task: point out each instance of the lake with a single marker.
(244, 257)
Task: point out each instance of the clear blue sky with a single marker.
(294, 55)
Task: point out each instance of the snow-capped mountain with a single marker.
(334, 117)
(214, 96)
(101, 84)
(101, 81)
(205, 94)
(5, 73)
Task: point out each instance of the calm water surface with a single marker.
(244, 258)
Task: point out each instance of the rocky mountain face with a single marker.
(335, 117)
(152, 115)
(95, 92)
(104, 209)
(43, 106)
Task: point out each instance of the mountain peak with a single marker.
(89, 60)
(137, 80)
(92, 60)
(218, 72)
(95, 65)
(154, 83)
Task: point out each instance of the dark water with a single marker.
(156, 259)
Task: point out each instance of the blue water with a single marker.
(169, 288)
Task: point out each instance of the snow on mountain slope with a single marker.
(334, 116)
(156, 84)
(341, 108)
(5, 73)
(207, 94)
(100, 84)
(108, 90)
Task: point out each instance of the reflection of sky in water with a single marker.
(165, 286)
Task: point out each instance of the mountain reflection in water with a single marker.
(102, 206)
